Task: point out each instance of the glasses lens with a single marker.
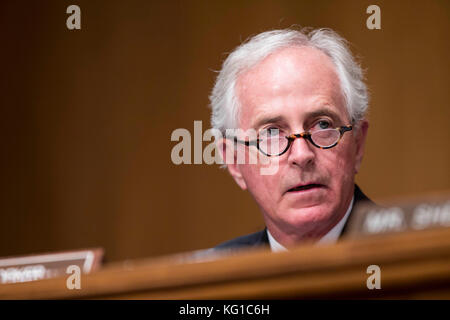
(272, 142)
(325, 138)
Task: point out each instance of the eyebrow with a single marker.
(323, 112)
(268, 119)
(312, 114)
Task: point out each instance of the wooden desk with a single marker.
(413, 265)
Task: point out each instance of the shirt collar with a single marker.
(330, 237)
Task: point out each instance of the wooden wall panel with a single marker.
(87, 116)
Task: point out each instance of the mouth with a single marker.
(306, 187)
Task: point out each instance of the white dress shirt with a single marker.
(330, 237)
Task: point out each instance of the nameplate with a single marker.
(400, 216)
(48, 265)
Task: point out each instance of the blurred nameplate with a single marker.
(48, 265)
(400, 216)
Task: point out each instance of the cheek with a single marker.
(263, 188)
(339, 165)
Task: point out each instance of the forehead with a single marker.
(291, 82)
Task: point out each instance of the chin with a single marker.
(309, 217)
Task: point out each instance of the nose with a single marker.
(301, 153)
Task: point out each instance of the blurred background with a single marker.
(87, 116)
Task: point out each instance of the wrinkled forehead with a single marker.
(302, 78)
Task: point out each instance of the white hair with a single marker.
(224, 101)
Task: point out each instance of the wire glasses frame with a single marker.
(310, 136)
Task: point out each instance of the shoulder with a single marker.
(360, 197)
(250, 240)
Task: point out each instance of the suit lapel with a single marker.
(360, 197)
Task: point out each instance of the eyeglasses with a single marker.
(272, 144)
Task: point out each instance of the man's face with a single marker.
(296, 90)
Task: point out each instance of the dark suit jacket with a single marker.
(260, 238)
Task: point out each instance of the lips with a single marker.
(305, 187)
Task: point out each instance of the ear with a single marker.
(229, 156)
(360, 140)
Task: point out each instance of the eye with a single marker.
(322, 124)
(273, 131)
(270, 132)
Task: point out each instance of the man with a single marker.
(305, 92)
